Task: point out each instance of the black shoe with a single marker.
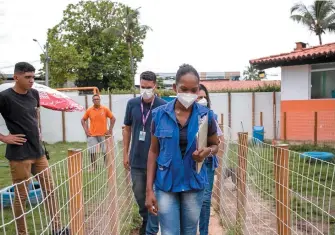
(63, 231)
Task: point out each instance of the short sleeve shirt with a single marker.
(20, 114)
(139, 149)
(98, 120)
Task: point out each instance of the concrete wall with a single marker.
(241, 108)
(241, 111)
(301, 123)
(296, 82)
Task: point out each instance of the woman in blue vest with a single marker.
(173, 157)
(211, 164)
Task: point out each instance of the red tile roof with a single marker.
(219, 85)
(315, 52)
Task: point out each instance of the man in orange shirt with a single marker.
(97, 115)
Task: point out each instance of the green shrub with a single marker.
(265, 88)
(311, 147)
(166, 93)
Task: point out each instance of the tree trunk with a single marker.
(320, 39)
(132, 67)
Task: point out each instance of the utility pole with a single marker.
(46, 60)
(129, 40)
(46, 65)
(132, 67)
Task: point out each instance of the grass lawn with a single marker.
(311, 183)
(57, 152)
(95, 190)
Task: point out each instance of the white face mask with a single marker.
(203, 102)
(187, 99)
(147, 93)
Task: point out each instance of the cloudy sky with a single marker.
(212, 35)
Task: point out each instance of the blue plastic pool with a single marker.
(325, 156)
(34, 195)
(258, 133)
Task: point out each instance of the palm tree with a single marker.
(318, 17)
(129, 29)
(251, 73)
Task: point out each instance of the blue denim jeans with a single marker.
(179, 213)
(206, 205)
(150, 222)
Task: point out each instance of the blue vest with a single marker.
(174, 173)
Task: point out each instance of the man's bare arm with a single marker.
(126, 138)
(111, 124)
(126, 133)
(38, 113)
(85, 126)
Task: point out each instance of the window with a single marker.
(323, 81)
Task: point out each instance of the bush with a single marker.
(166, 93)
(118, 92)
(122, 92)
(265, 88)
(311, 147)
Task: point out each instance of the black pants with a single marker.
(139, 179)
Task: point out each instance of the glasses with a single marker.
(96, 99)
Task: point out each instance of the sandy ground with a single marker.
(215, 227)
(260, 214)
(97, 220)
(259, 220)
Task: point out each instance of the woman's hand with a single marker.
(200, 154)
(151, 202)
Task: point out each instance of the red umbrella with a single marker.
(51, 99)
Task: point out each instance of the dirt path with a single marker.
(215, 227)
(260, 217)
(260, 214)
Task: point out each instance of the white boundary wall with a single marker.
(241, 112)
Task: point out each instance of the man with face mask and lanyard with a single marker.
(137, 124)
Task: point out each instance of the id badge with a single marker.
(142, 136)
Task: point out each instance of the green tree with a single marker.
(319, 17)
(251, 73)
(65, 60)
(98, 59)
(160, 83)
(128, 28)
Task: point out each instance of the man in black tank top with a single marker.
(19, 107)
